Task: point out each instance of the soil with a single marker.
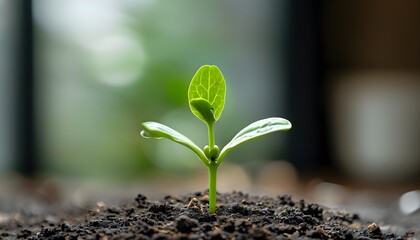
(238, 216)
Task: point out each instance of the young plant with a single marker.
(206, 97)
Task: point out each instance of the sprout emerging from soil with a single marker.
(206, 97)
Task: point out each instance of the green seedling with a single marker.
(206, 97)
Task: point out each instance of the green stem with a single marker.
(211, 134)
(212, 166)
(212, 186)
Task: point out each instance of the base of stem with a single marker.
(212, 186)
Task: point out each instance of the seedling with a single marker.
(206, 97)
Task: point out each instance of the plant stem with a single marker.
(212, 166)
(211, 134)
(212, 186)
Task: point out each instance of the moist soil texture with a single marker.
(238, 216)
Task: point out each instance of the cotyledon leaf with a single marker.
(255, 130)
(209, 84)
(158, 130)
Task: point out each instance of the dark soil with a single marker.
(238, 216)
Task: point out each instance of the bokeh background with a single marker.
(78, 77)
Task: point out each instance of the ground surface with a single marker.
(239, 216)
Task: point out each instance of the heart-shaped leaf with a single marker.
(209, 84)
(157, 130)
(255, 130)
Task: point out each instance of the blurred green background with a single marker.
(103, 67)
(78, 77)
